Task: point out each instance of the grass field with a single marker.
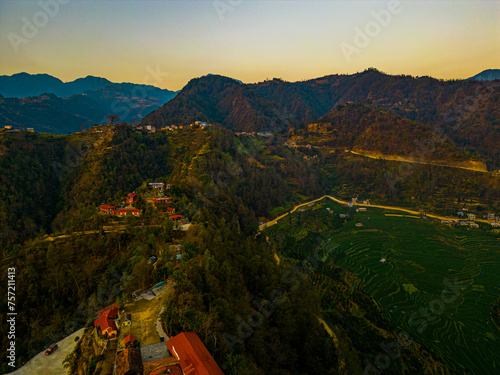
(437, 283)
(144, 314)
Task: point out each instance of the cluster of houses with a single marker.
(465, 223)
(149, 128)
(107, 209)
(10, 129)
(200, 124)
(185, 354)
(471, 218)
(165, 201)
(132, 198)
(356, 201)
(294, 144)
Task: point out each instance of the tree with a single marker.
(112, 118)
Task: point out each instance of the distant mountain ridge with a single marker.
(23, 85)
(96, 98)
(486, 75)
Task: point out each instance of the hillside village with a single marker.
(129, 338)
(129, 347)
(156, 197)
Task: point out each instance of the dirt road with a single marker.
(272, 222)
(43, 364)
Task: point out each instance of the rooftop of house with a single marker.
(106, 321)
(193, 356)
(106, 206)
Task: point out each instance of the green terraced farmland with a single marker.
(437, 283)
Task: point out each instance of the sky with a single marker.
(167, 43)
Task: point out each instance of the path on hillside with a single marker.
(335, 342)
(481, 167)
(42, 364)
(118, 228)
(272, 222)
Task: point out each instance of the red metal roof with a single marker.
(106, 206)
(106, 322)
(193, 356)
(107, 308)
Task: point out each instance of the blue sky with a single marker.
(248, 40)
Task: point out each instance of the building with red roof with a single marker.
(131, 198)
(125, 211)
(107, 209)
(170, 210)
(192, 355)
(162, 200)
(176, 217)
(122, 212)
(107, 308)
(106, 323)
(135, 211)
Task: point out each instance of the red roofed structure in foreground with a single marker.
(192, 355)
(107, 324)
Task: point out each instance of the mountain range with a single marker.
(466, 111)
(47, 104)
(22, 85)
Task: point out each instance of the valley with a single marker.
(436, 283)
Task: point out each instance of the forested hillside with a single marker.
(465, 111)
(73, 261)
(222, 100)
(361, 128)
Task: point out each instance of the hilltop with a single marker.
(487, 75)
(276, 105)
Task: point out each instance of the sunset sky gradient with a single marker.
(249, 40)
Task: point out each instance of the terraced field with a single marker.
(437, 283)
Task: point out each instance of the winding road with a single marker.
(272, 222)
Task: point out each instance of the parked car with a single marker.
(51, 349)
